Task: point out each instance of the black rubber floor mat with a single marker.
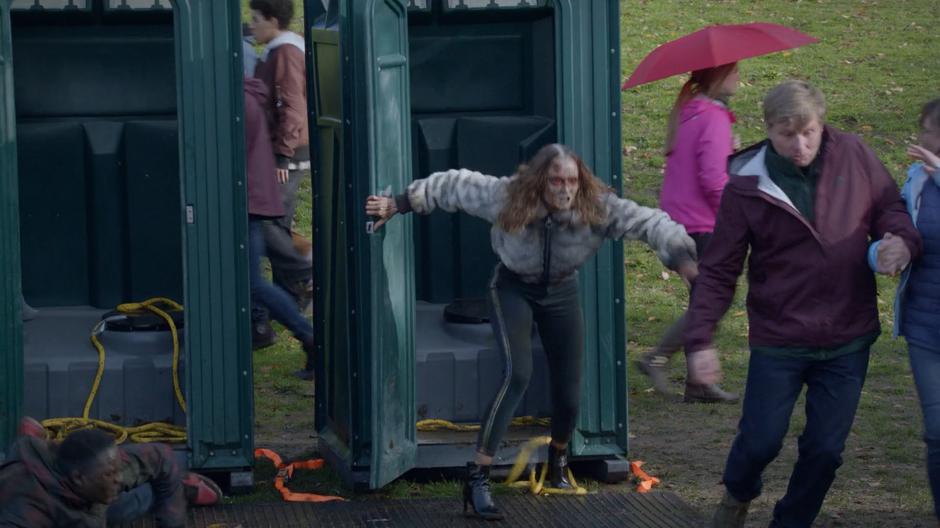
(610, 509)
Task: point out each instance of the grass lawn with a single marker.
(877, 63)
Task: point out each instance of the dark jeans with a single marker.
(160, 489)
(288, 267)
(556, 311)
(672, 340)
(131, 505)
(773, 385)
(282, 307)
(925, 364)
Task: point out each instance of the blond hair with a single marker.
(794, 102)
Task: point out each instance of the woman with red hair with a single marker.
(698, 143)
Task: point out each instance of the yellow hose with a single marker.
(59, 428)
(535, 485)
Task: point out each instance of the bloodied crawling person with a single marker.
(548, 219)
(88, 481)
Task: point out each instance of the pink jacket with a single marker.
(697, 167)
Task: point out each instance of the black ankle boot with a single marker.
(476, 493)
(558, 468)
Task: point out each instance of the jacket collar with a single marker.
(286, 37)
(755, 165)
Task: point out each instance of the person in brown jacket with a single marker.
(801, 208)
(265, 205)
(282, 68)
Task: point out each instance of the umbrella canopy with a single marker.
(713, 46)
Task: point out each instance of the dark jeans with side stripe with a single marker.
(556, 311)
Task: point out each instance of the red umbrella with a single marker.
(713, 46)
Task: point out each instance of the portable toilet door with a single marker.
(209, 218)
(365, 372)
(375, 132)
(11, 358)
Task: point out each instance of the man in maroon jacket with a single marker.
(805, 204)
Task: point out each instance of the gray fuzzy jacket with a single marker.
(572, 241)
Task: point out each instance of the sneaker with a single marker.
(303, 374)
(303, 294)
(309, 346)
(29, 426)
(655, 367)
(262, 335)
(200, 490)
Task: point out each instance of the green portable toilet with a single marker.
(402, 88)
(122, 178)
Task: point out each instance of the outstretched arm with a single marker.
(454, 190)
(673, 246)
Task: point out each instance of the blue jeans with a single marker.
(281, 305)
(925, 364)
(773, 385)
(131, 505)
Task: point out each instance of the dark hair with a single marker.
(931, 112)
(82, 448)
(282, 10)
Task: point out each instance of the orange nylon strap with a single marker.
(286, 471)
(646, 482)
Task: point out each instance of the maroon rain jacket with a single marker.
(264, 197)
(809, 285)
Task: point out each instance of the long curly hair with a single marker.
(526, 190)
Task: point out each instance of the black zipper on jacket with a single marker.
(546, 249)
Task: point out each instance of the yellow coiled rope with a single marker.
(59, 428)
(434, 424)
(535, 485)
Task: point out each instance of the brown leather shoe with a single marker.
(731, 513)
(708, 394)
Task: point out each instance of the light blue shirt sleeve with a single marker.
(249, 58)
(873, 255)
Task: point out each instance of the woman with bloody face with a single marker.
(548, 219)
